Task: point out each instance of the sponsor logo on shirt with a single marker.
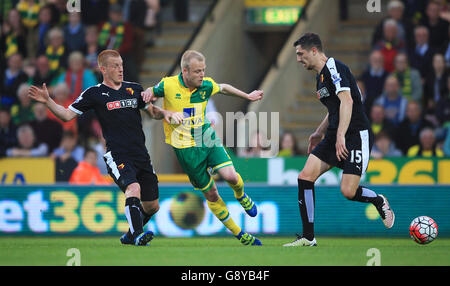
(122, 104)
(323, 92)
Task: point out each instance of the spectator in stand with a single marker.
(77, 77)
(61, 12)
(8, 5)
(8, 133)
(437, 27)
(141, 14)
(427, 146)
(93, 12)
(435, 84)
(408, 78)
(47, 131)
(259, 147)
(446, 145)
(415, 10)
(373, 78)
(116, 34)
(22, 112)
(43, 73)
(55, 51)
(407, 133)
(13, 38)
(443, 107)
(392, 100)
(384, 147)
(61, 95)
(378, 121)
(181, 10)
(92, 50)
(421, 54)
(395, 11)
(29, 14)
(289, 146)
(67, 156)
(27, 145)
(390, 45)
(87, 172)
(74, 33)
(11, 79)
(42, 29)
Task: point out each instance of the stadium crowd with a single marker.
(41, 42)
(405, 87)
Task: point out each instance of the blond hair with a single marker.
(188, 56)
(105, 55)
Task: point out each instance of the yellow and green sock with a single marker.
(219, 209)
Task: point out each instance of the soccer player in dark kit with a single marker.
(116, 104)
(343, 139)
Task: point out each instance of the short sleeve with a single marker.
(158, 90)
(84, 102)
(139, 89)
(214, 87)
(339, 76)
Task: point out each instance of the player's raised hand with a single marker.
(256, 95)
(39, 94)
(341, 150)
(173, 117)
(147, 96)
(314, 139)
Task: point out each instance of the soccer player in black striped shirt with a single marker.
(116, 104)
(343, 139)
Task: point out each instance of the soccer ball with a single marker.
(423, 230)
(187, 210)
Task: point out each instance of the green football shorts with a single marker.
(196, 161)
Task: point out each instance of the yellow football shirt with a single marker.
(177, 97)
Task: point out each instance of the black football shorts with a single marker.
(358, 143)
(126, 171)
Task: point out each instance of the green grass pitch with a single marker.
(217, 251)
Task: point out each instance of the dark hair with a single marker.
(309, 40)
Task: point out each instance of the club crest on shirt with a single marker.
(130, 90)
(323, 92)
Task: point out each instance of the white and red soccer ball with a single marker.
(423, 230)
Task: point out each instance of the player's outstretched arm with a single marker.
(147, 95)
(231, 90)
(42, 95)
(170, 117)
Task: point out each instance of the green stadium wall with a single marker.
(87, 210)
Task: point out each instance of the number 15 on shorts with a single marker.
(355, 156)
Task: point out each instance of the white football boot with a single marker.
(301, 241)
(386, 213)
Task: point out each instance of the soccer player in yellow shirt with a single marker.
(194, 140)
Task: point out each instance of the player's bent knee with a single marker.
(348, 192)
(211, 195)
(133, 190)
(232, 178)
(150, 208)
(306, 176)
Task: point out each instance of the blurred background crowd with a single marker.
(405, 87)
